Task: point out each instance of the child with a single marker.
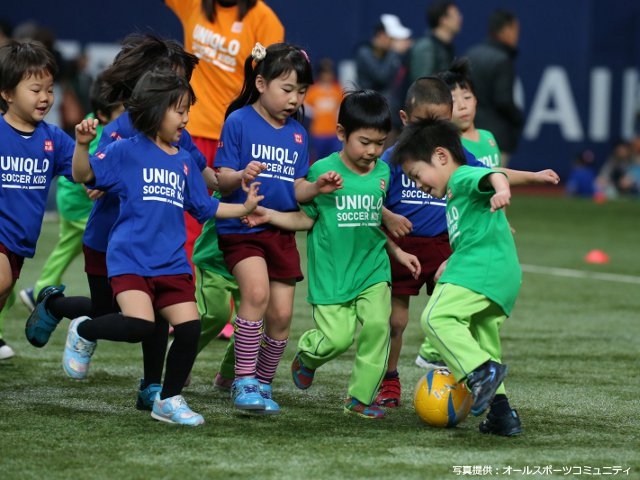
(262, 138)
(418, 222)
(32, 153)
(468, 306)
(74, 204)
(352, 287)
(146, 261)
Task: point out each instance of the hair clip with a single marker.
(305, 55)
(259, 52)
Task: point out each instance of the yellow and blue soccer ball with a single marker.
(440, 401)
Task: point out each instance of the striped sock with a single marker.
(269, 357)
(247, 344)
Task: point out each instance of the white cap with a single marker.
(394, 28)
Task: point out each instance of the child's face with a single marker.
(464, 108)
(30, 101)
(174, 121)
(281, 97)
(431, 178)
(362, 148)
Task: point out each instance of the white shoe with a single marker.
(6, 351)
(429, 364)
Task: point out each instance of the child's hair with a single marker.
(279, 59)
(458, 75)
(427, 90)
(364, 109)
(20, 60)
(153, 95)
(139, 54)
(419, 140)
(99, 104)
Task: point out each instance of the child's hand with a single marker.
(500, 200)
(252, 196)
(251, 171)
(258, 217)
(411, 262)
(329, 182)
(94, 194)
(396, 224)
(547, 176)
(440, 271)
(86, 131)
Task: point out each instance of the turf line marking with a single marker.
(566, 272)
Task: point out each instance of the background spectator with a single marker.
(493, 74)
(434, 52)
(321, 106)
(381, 63)
(582, 179)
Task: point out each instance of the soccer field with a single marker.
(572, 346)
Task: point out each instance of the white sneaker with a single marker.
(6, 351)
(429, 364)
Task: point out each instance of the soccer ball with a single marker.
(440, 401)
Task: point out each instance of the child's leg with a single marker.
(214, 297)
(373, 308)
(334, 334)
(446, 321)
(69, 246)
(276, 329)
(6, 351)
(253, 282)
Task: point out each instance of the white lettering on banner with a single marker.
(554, 103)
(600, 105)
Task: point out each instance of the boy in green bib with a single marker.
(348, 255)
(478, 288)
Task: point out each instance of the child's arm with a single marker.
(396, 224)
(235, 210)
(80, 166)
(326, 183)
(294, 221)
(230, 180)
(524, 177)
(408, 260)
(500, 184)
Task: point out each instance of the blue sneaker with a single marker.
(146, 396)
(77, 351)
(29, 301)
(483, 383)
(41, 323)
(270, 406)
(175, 410)
(246, 394)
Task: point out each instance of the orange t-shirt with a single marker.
(222, 47)
(324, 101)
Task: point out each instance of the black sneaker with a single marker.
(483, 383)
(506, 425)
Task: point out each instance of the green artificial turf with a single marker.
(572, 346)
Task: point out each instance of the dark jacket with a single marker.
(429, 55)
(493, 75)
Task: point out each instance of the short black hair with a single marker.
(153, 95)
(419, 140)
(458, 75)
(364, 109)
(427, 90)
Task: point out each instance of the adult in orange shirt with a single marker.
(221, 33)
(321, 105)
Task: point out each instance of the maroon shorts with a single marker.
(277, 247)
(431, 252)
(95, 262)
(15, 261)
(164, 290)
